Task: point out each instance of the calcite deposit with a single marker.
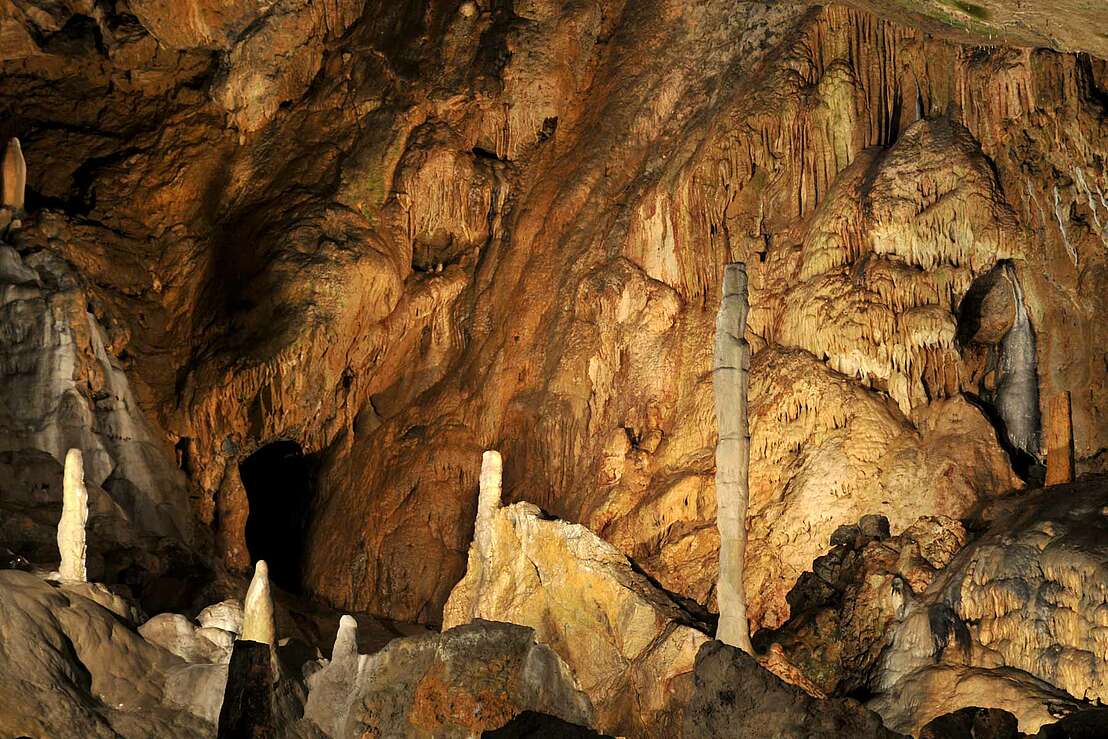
(282, 271)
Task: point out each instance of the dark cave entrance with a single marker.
(280, 483)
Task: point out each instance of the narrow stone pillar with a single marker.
(488, 499)
(71, 527)
(15, 175)
(1059, 440)
(257, 619)
(729, 374)
(345, 651)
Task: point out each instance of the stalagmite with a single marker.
(257, 620)
(345, 651)
(1059, 441)
(488, 499)
(15, 175)
(730, 369)
(71, 528)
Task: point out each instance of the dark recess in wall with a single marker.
(280, 484)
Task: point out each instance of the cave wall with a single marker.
(399, 234)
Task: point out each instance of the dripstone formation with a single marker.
(785, 321)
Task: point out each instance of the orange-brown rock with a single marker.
(398, 236)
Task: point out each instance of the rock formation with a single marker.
(14, 177)
(729, 378)
(391, 236)
(734, 696)
(257, 619)
(331, 688)
(71, 529)
(629, 646)
(459, 683)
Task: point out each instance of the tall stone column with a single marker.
(729, 375)
(71, 528)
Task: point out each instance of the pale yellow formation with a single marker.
(71, 528)
(627, 644)
(257, 620)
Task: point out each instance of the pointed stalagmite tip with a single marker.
(346, 641)
(257, 620)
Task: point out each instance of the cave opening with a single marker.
(280, 483)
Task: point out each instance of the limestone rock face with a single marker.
(630, 648)
(1031, 588)
(734, 696)
(936, 690)
(63, 390)
(459, 683)
(398, 234)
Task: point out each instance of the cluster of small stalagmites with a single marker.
(14, 174)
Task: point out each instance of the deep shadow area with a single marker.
(279, 482)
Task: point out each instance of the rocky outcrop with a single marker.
(734, 696)
(932, 691)
(71, 668)
(629, 646)
(467, 680)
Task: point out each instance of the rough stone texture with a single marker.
(734, 696)
(629, 646)
(399, 234)
(1033, 589)
(331, 688)
(847, 609)
(933, 691)
(972, 723)
(64, 389)
(459, 683)
(504, 227)
(71, 669)
(249, 704)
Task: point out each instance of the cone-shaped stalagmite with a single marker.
(729, 374)
(15, 175)
(257, 619)
(71, 528)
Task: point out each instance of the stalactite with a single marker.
(1018, 391)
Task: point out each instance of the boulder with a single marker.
(461, 682)
(735, 696)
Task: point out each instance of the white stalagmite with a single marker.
(15, 175)
(257, 619)
(488, 499)
(71, 528)
(345, 651)
(729, 373)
